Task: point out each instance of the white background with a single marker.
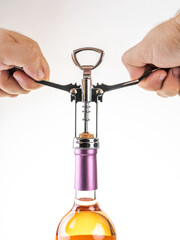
(139, 163)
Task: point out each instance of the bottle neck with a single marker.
(85, 197)
(85, 170)
(85, 177)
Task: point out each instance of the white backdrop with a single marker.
(139, 163)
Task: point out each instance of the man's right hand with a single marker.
(17, 50)
(159, 48)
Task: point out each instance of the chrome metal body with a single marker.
(84, 143)
(87, 89)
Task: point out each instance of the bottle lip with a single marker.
(86, 143)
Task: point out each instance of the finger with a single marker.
(5, 94)
(45, 65)
(5, 67)
(25, 81)
(9, 85)
(154, 81)
(134, 62)
(171, 85)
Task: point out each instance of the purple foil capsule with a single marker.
(85, 169)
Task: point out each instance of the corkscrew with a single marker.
(96, 90)
(87, 93)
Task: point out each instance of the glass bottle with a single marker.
(85, 221)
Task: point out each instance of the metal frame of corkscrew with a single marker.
(87, 92)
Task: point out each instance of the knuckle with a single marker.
(35, 44)
(161, 94)
(33, 55)
(32, 47)
(176, 90)
(48, 68)
(172, 93)
(172, 90)
(26, 91)
(124, 58)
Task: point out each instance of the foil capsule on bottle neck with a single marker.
(85, 150)
(85, 169)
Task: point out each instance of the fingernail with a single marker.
(162, 77)
(40, 74)
(176, 72)
(17, 77)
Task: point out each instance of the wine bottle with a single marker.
(85, 221)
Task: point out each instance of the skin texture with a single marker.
(159, 48)
(21, 51)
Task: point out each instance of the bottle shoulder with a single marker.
(85, 220)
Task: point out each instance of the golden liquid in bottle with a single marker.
(85, 223)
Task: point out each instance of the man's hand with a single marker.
(21, 51)
(159, 48)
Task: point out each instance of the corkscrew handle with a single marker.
(67, 87)
(75, 60)
(106, 88)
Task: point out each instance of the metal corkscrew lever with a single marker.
(87, 93)
(93, 92)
